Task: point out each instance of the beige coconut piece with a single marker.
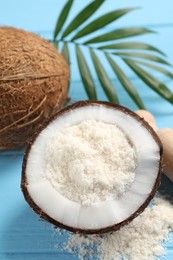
(33, 85)
(166, 137)
(147, 117)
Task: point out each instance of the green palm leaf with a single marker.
(104, 79)
(65, 53)
(142, 56)
(126, 83)
(82, 17)
(119, 34)
(158, 86)
(62, 18)
(157, 68)
(131, 45)
(123, 49)
(101, 22)
(86, 75)
(55, 44)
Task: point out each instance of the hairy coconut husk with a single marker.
(33, 85)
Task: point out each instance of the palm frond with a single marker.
(131, 46)
(158, 86)
(126, 83)
(133, 53)
(65, 53)
(86, 75)
(82, 17)
(104, 79)
(62, 18)
(145, 56)
(119, 34)
(101, 22)
(156, 68)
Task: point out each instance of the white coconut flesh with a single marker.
(103, 212)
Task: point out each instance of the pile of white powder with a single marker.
(140, 240)
(90, 162)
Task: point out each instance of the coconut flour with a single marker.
(91, 162)
(142, 239)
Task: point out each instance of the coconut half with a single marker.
(105, 215)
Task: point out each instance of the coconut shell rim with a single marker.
(111, 228)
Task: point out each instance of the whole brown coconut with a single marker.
(33, 85)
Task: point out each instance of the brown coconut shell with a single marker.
(33, 85)
(115, 227)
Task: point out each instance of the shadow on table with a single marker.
(166, 186)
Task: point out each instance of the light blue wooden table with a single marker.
(22, 234)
